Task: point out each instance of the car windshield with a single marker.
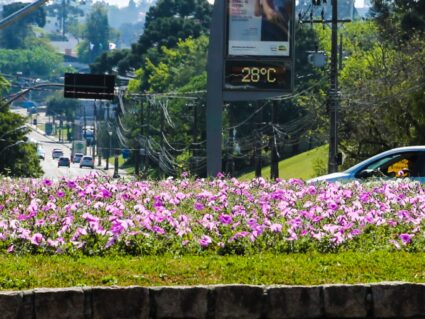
(384, 161)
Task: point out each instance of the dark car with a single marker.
(64, 161)
(77, 157)
(57, 153)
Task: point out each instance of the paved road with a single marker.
(50, 165)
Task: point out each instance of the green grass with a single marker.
(26, 272)
(299, 166)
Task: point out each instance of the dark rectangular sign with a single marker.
(89, 86)
(257, 75)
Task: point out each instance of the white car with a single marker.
(399, 162)
(87, 161)
(41, 153)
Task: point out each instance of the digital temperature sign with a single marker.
(257, 75)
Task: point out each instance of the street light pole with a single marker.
(333, 93)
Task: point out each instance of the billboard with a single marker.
(259, 27)
(89, 86)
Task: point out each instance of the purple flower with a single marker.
(47, 182)
(205, 241)
(71, 184)
(225, 219)
(36, 239)
(276, 228)
(198, 206)
(60, 194)
(405, 238)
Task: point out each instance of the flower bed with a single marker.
(96, 216)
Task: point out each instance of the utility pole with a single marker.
(138, 144)
(161, 155)
(333, 93)
(147, 124)
(194, 138)
(274, 160)
(94, 131)
(258, 144)
(230, 164)
(109, 136)
(99, 149)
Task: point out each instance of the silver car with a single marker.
(399, 162)
(87, 161)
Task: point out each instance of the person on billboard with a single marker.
(275, 19)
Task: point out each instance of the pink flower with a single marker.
(205, 241)
(36, 239)
(47, 182)
(276, 228)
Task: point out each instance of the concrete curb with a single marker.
(381, 300)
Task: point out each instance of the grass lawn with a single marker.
(26, 272)
(299, 166)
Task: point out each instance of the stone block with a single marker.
(238, 301)
(120, 303)
(293, 302)
(59, 303)
(10, 304)
(26, 311)
(345, 301)
(180, 302)
(398, 300)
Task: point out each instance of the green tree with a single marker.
(66, 12)
(96, 35)
(166, 23)
(18, 157)
(399, 17)
(39, 61)
(15, 36)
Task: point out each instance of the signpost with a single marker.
(251, 57)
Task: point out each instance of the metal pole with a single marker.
(274, 165)
(107, 132)
(215, 99)
(94, 131)
(230, 145)
(333, 93)
(116, 154)
(138, 144)
(257, 151)
(148, 120)
(99, 149)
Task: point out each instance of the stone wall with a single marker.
(382, 300)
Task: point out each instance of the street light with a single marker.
(14, 130)
(11, 145)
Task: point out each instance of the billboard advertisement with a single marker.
(259, 27)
